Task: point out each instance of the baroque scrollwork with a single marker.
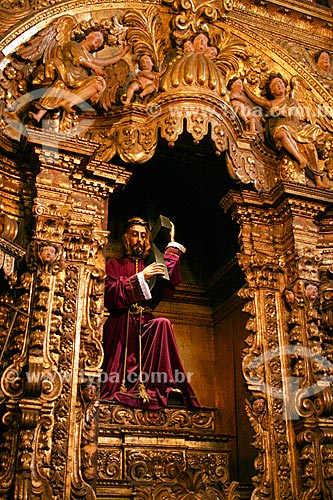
(201, 54)
(172, 418)
(309, 358)
(109, 464)
(190, 484)
(37, 65)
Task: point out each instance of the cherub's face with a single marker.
(277, 87)
(95, 40)
(146, 62)
(211, 52)
(289, 296)
(311, 292)
(237, 86)
(259, 405)
(89, 393)
(324, 62)
(200, 43)
(47, 254)
(188, 47)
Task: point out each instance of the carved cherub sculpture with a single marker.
(201, 64)
(200, 44)
(146, 81)
(323, 60)
(291, 122)
(47, 254)
(319, 63)
(243, 105)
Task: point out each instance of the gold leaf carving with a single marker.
(145, 33)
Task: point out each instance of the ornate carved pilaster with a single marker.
(311, 328)
(55, 353)
(285, 251)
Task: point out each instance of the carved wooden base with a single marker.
(161, 454)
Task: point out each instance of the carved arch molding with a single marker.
(57, 173)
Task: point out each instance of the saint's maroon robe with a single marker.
(161, 366)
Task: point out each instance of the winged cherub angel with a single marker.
(70, 70)
(293, 122)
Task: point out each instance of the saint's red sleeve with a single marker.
(121, 291)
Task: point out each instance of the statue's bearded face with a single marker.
(137, 238)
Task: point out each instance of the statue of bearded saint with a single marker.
(137, 345)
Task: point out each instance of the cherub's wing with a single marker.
(310, 108)
(115, 76)
(301, 92)
(49, 41)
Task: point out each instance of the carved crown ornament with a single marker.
(124, 81)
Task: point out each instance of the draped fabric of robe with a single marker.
(72, 78)
(161, 367)
(303, 135)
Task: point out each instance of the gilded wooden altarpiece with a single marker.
(58, 169)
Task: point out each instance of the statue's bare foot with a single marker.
(125, 100)
(303, 163)
(322, 183)
(37, 116)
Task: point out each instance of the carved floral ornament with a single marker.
(121, 82)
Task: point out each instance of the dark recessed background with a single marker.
(186, 184)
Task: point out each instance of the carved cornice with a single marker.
(77, 156)
(11, 248)
(306, 13)
(304, 17)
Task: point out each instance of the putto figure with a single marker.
(200, 44)
(146, 82)
(243, 105)
(197, 65)
(323, 61)
(142, 367)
